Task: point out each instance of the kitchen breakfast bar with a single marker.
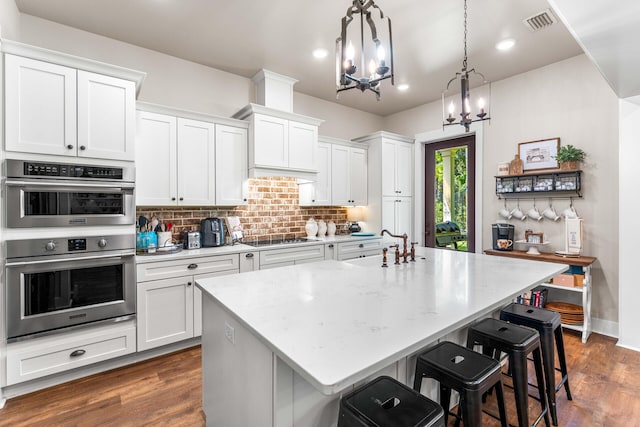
(279, 347)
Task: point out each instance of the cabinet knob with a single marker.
(181, 198)
(361, 245)
(70, 147)
(77, 353)
(249, 255)
(331, 245)
(82, 147)
(173, 199)
(189, 283)
(313, 200)
(244, 200)
(192, 266)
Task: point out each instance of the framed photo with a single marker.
(539, 155)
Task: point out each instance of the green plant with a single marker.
(569, 153)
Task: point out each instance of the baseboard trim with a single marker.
(605, 327)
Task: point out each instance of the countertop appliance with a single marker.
(502, 236)
(212, 232)
(191, 239)
(64, 282)
(47, 194)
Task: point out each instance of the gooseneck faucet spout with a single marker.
(404, 238)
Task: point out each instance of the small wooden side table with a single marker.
(582, 261)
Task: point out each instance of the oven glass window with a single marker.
(59, 290)
(68, 203)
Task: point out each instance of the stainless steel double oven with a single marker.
(71, 279)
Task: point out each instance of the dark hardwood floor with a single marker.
(166, 391)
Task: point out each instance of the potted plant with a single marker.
(569, 156)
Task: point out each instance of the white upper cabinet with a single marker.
(40, 107)
(318, 192)
(281, 143)
(231, 172)
(270, 141)
(156, 160)
(183, 161)
(348, 176)
(397, 165)
(60, 110)
(106, 117)
(196, 162)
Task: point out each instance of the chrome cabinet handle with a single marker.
(77, 353)
(192, 266)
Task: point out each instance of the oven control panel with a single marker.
(77, 245)
(67, 246)
(70, 171)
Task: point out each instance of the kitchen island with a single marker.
(280, 346)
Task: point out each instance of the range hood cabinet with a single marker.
(281, 143)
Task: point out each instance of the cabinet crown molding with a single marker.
(60, 58)
(376, 136)
(188, 114)
(251, 109)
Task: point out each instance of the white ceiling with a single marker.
(243, 36)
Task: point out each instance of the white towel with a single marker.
(573, 235)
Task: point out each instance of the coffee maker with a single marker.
(502, 236)
(212, 232)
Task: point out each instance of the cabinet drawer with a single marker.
(299, 253)
(188, 267)
(39, 357)
(363, 247)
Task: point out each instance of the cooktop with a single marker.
(271, 242)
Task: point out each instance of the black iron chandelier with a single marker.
(378, 69)
(466, 115)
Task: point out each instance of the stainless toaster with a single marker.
(191, 239)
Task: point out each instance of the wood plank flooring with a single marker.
(166, 391)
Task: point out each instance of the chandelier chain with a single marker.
(464, 61)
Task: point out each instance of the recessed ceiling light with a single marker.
(320, 53)
(402, 87)
(505, 44)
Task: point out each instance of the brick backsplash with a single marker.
(272, 212)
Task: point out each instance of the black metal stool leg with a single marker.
(518, 362)
(537, 362)
(445, 401)
(548, 363)
(563, 361)
(471, 409)
(501, 408)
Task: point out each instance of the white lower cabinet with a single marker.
(39, 357)
(249, 261)
(170, 309)
(273, 258)
(359, 249)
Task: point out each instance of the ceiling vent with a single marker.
(540, 21)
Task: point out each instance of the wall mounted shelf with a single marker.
(547, 184)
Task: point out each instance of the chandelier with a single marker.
(378, 69)
(464, 76)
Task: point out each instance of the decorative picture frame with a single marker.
(539, 155)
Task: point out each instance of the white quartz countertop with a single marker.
(336, 322)
(242, 248)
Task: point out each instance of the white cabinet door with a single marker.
(165, 312)
(196, 162)
(397, 215)
(156, 166)
(303, 146)
(388, 168)
(358, 176)
(396, 165)
(249, 261)
(270, 143)
(106, 114)
(40, 107)
(403, 168)
(340, 185)
(318, 193)
(404, 216)
(330, 251)
(231, 171)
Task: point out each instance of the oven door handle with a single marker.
(122, 186)
(48, 261)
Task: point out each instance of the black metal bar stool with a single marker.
(496, 336)
(469, 373)
(547, 323)
(385, 402)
